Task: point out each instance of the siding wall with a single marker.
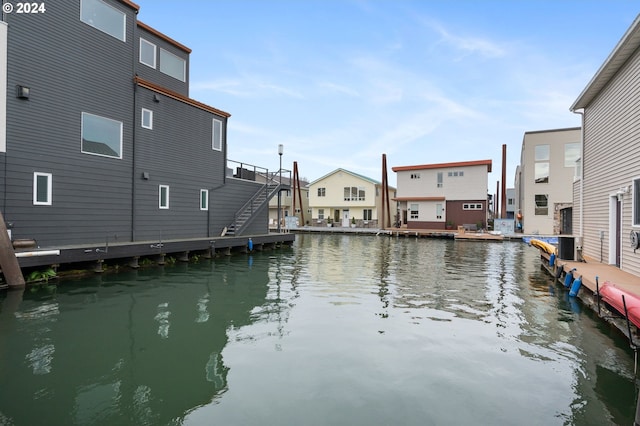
(611, 155)
(156, 75)
(43, 132)
(176, 152)
(471, 186)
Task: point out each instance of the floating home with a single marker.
(101, 144)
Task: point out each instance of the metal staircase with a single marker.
(260, 198)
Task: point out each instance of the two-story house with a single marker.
(606, 193)
(99, 139)
(437, 196)
(344, 198)
(544, 190)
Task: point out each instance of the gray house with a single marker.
(99, 139)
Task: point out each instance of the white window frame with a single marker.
(320, 214)
(90, 22)
(439, 179)
(148, 43)
(160, 204)
(322, 192)
(204, 199)
(148, 113)
(82, 131)
(216, 143)
(49, 184)
(164, 55)
(414, 213)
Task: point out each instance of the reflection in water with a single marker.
(339, 330)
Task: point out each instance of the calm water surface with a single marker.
(338, 330)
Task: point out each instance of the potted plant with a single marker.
(449, 225)
(329, 221)
(353, 222)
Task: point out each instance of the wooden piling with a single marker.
(8, 261)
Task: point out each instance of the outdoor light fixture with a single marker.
(22, 92)
(156, 98)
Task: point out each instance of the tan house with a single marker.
(606, 216)
(544, 184)
(344, 198)
(446, 195)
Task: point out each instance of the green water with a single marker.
(337, 330)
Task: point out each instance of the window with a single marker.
(542, 205)
(353, 193)
(367, 214)
(107, 19)
(163, 196)
(439, 210)
(101, 136)
(41, 189)
(511, 201)
(414, 211)
(542, 172)
(571, 154)
(322, 192)
(320, 213)
(172, 65)
(439, 180)
(542, 152)
(541, 168)
(204, 199)
(216, 143)
(147, 118)
(472, 206)
(147, 53)
(415, 175)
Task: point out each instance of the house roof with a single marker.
(444, 165)
(627, 45)
(131, 4)
(419, 199)
(164, 37)
(177, 96)
(368, 179)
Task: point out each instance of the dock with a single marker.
(405, 232)
(94, 257)
(589, 269)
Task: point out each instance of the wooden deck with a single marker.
(589, 270)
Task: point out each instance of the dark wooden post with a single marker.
(8, 261)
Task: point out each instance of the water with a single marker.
(339, 330)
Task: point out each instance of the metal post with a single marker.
(280, 151)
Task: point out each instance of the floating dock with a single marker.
(94, 256)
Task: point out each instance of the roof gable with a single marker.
(486, 163)
(625, 48)
(373, 181)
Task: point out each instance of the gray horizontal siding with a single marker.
(611, 158)
(91, 194)
(155, 75)
(177, 152)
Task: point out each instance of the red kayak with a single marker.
(613, 296)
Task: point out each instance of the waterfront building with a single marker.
(445, 195)
(343, 198)
(607, 192)
(99, 139)
(544, 179)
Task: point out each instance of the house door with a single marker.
(345, 218)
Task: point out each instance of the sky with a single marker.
(339, 83)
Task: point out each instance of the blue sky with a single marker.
(339, 83)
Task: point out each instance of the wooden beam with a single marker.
(8, 261)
